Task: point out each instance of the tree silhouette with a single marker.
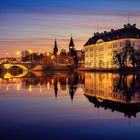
(125, 56)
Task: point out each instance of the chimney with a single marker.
(125, 26)
(128, 25)
(112, 30)
(97, 33)
(134, 25)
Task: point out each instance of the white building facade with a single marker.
(100, 48)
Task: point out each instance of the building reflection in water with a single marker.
(116, 92)
(59, 81)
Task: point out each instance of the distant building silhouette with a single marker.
(55, 49)
(71, 46)
(73, 52)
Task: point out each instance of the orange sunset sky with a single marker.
(34, 24)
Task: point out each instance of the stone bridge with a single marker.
(8, 66)
(23, 66)
(8, 75)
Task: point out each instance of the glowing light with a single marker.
(30, 51)
(40, 88)
(18, 87)
(14, 79)
(48, 54)
(58, 53)
(58, 85)
(48, 85)
(52, 81)
(52, 57)
(18, 53)
(30, 88)
(7, 88)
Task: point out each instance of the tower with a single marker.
(71, 47)
(55, 49)
(73, 52)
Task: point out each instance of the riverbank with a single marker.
(120, 70)
(65, 67)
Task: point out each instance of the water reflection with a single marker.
(58, 81)
(116, 92)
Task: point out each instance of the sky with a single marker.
(35, 24)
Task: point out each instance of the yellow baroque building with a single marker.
(99, 49)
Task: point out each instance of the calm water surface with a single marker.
(69, 106)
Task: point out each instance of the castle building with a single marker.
(99, 48)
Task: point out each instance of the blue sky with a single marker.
(34, 24)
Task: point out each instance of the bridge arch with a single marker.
(8, 75)
(8, 66)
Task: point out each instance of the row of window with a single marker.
(100, 49)
(110, 46)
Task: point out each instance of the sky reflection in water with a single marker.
(70, 106)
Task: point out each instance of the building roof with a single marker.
(129, 31)
(129, 109)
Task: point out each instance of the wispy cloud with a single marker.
(35, 23)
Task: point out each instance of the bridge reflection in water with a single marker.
(116, 92)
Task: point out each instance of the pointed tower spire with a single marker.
(55, 49)
(71, 92)
(55, 87)
(71, 44)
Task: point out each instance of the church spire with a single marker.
(55, 49)
(71, 44)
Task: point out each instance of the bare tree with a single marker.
(127, 55)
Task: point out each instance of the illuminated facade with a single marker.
(112, 87)
(99, 49)
(115, 92)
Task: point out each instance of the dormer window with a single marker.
(99, 41)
